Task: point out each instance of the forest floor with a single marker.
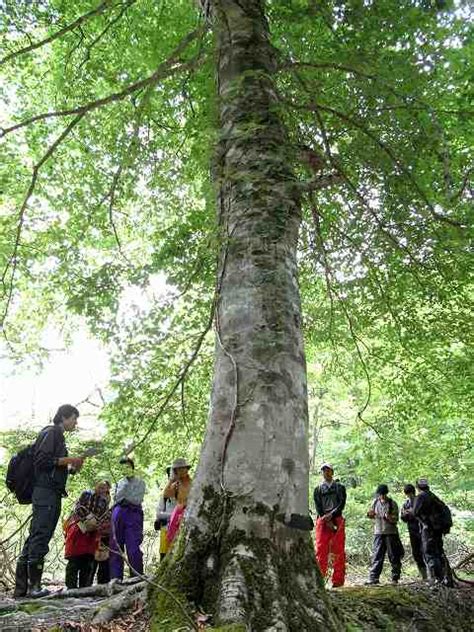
(111, 607)
(122, 607)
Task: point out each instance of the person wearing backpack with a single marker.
(436, 521)
(50, 463)
(384, 513)
(330, 500)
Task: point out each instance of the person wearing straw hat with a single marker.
(178, 487)
(163, 513)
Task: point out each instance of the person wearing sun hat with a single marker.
(163, 513)
(178, 487)
(330, 500)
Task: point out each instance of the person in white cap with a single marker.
(330, 500)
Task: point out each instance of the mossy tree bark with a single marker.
(236, 556)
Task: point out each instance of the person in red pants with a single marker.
(330, 500)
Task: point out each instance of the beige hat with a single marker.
(177, 463)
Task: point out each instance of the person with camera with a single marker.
(384, 513)
(178, 487)
(51, 467)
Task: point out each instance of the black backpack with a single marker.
(440, 516)
(20, 477)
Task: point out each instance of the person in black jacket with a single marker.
(51, 463)
(414, 528)
(330, 500)
(426, 509)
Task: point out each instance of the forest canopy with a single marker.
(110, 159)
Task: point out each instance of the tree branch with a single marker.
(103, 6)
(21, 216)
(321, 182)
(104, 31)
(332, 290)
(166, 69)
(386, 149)
(357, 193)
(324, 65)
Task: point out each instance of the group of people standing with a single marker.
(100, 534)
(427, 518)
(105, 529)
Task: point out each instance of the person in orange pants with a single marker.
(330, 500)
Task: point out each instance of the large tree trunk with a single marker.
(240, 554)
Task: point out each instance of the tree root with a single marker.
(94, 605)
(123, 601)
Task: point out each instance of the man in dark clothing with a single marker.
(330, 500)
(425, 509)
(51, 462)
(414, 528)
(384, 513)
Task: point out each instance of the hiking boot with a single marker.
(21, 580)
(35, 572)
(372, 582)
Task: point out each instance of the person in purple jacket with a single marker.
(127, 522)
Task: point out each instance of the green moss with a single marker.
(30, 608)
(193, 571)
(167, 614)
(397, 608)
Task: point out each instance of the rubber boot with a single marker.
(35, 572)
(21, 579)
